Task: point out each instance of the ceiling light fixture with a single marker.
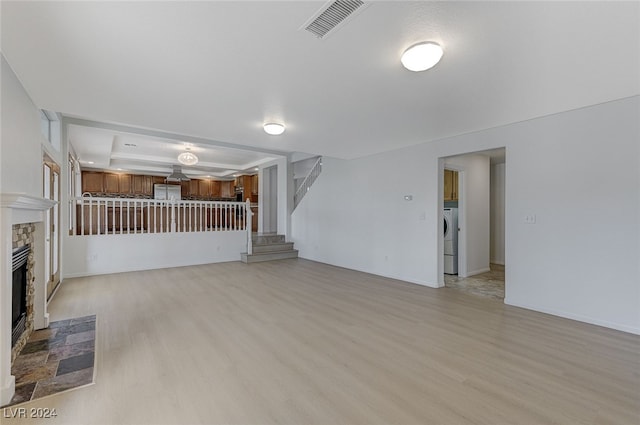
(422, 56)
(187, 158)
(274, 129)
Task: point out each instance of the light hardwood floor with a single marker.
(298, 342)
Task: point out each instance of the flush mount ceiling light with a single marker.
(422, 56)
(187, 158)
(274, 129)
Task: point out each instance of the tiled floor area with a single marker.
(489, 284)
(55, 359)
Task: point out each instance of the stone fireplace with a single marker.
(21, 224)
(22, 288)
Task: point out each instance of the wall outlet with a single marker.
(530, 219)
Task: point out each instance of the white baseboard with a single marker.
(7, 390)
(407, 279)
(577, 317)
(475, 272)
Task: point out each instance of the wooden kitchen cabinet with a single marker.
(92, 181)
(204, 188)
(254, 219)
(117, 183)
(111, 183)
(185, 189)
(215, 189)
(254, 184)
(141, 185)
(124, 183)
(97, 182)
(247, 185)
(450, 185)
(157, 180)
(226, 189)
(194, 187)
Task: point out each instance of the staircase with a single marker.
(268, 248)
(307, 182)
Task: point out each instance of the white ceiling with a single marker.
(218, 70)
(108, 149)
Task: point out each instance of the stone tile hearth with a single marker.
(55, 359)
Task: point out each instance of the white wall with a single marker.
(20, 172)
(103, 254)
(473, 212)
(355, 216)
(497, 213)
(21, 147)
(577, 172)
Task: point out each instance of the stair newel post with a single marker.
(248, 215)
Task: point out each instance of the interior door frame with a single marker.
(462, 222)
(51, 190)
(462, 213)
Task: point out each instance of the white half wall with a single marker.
(103, 254)
(577, 172)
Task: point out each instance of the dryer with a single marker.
(450, 240)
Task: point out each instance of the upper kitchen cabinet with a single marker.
(142, 185)
(92, 181)
(215, 189)
(157, 180)
(226, 189)
(254, 184)
(185, 190)
(450, 185)
(111, 183)
(125, 183)
(204, 188)
(117, 183)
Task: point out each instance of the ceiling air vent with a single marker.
(329, 17)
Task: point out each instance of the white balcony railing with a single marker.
(118, 216)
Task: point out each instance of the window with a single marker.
(50, 128)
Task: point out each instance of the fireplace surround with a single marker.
(21, 276)
(21, 224)
(23, 285)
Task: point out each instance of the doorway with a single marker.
(473, 187)
(51, 190)
(270, 203)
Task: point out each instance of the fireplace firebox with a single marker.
(19, 293)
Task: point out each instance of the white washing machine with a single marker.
(451, 240)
